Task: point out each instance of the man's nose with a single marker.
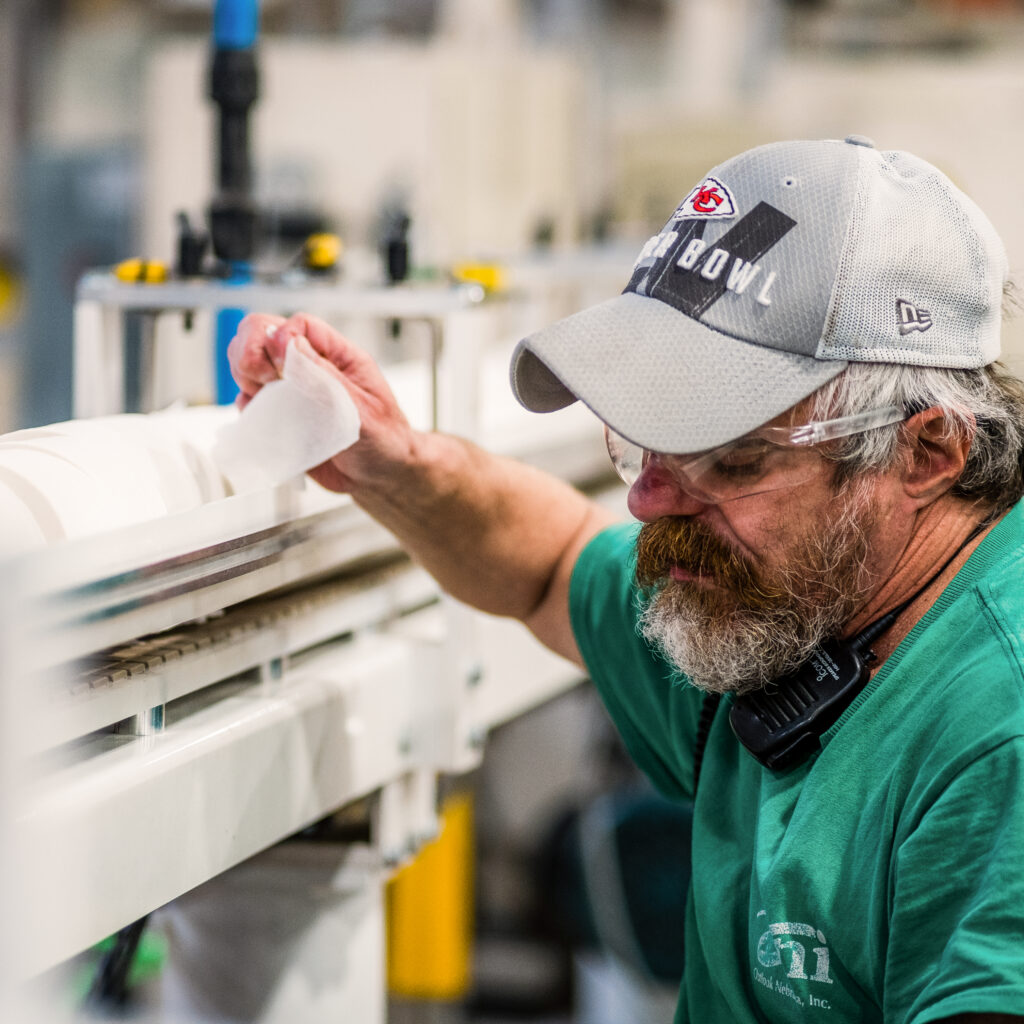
(657, 493)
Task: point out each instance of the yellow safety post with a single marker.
(10, 295)
(430, 912)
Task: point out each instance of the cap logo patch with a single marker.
(708, 200)
(911, 318)
(684, 269)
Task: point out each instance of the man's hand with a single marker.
(493, 532)
(385, 440)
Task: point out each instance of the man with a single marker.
(799, 383)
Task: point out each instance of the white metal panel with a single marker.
(171, 666)
(135, 822)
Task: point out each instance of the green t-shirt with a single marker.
(881, 880)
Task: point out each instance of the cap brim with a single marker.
(659, 378)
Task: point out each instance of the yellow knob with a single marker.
(136, 271)
(490, 275)
(322, 251)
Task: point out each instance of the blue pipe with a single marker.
(235, 24)
(227, 322)
(235, 27)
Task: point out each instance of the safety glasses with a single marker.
(766, 459)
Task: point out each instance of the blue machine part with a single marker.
(227, 326)
(235, 24)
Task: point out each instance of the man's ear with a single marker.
(936, 454)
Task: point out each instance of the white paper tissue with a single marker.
(290, 426)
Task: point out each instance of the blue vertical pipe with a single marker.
(227, 323)
(234, 87)
(235, 23)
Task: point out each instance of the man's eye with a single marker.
(749, 462)
(744, 462)
(739, 470)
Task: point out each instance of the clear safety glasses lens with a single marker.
(766, 459)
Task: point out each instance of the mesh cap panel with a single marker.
(916, 243)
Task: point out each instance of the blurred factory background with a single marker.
(529, 146)
(499, 125)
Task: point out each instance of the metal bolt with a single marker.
(392, 856)
(272, 671)
(428, 835)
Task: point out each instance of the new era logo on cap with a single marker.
(709, 199)
(912, 318)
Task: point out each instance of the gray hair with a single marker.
(986, 404)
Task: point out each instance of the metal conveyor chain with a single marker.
(118, 682)
(224, 630)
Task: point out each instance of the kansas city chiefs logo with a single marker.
(709, 199)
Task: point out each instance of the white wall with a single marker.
(959, 110)
(483, 141)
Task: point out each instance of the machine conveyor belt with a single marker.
(98, 593)
(112, 685)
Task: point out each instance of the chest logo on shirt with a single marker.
(802, 951)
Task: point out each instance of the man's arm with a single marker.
(495, 533)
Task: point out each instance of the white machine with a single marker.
(184, 691)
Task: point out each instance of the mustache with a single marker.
(691, 545)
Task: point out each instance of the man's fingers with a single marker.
(354, 366)
(256, 353)
(324, 339)
(303, 345)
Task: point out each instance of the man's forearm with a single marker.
(492, 531)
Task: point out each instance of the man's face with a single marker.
(742, 591)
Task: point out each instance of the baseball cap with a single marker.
(779, 268)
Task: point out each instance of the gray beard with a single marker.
(723, 646)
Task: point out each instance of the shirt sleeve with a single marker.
(654, 709)
(956, 942)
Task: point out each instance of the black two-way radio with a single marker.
(782, 723)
